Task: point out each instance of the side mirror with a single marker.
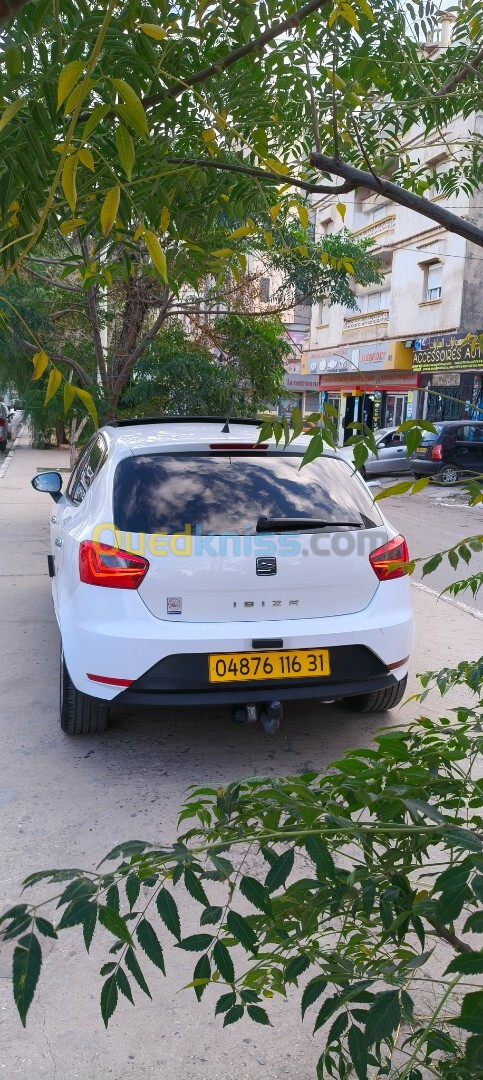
(50, 482)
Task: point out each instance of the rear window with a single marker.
(429, 438)
(162, 493)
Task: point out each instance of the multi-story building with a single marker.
(403, 352)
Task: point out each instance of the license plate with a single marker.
(289, 664)
(421, 451)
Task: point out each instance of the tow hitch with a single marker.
(270, 715)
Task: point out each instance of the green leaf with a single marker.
(395, 489)
(133, 888)
(357, 1046)
(259, 1015)
(109, 997)
(10, 111)
(467, 963)
(320, 855)
(312, 992)
(68, 78)
(87, 400)
(211, 916)
(109, 209)
(233, 1015)
(45, 927)
(68, 180)
(279, 872)
(474, 923)
(195, 943)
(148, 941)
(195, 888)
(471, 1015)
(432, 564)
(338, 1027)
(224, 962)
(225, 1002)
(303, 215)
(168, 911)
(133, 966)
(156, 254)
(123, 985)
(202, 971)
(295, 967)
(453, 885)
(239, 926)
(125, 149)
(75, 912)
(27, 962)
(314, 449)
(133, 108)
(256, 893)
(89, 924)
(153, 31)
(95, 118)
(114, 923)
(383, 1016)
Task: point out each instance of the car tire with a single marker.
(378, 700)
(448, 475)
(3, 445)
(79, 713)
(362, 472)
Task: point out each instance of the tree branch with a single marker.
(94, 321)
(399, 195)
(446, 935)
(255, 45)
(52, 281)
(59, 358)
(467, 69)
(262, 174)
(137, 352)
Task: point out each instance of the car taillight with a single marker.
(100, 564)
(437, 452)
(390, 560)
(2, 421)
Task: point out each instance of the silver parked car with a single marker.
(391, 454)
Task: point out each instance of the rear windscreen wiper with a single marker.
(265, 524)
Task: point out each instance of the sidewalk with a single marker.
(66, 801)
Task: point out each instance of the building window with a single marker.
(375, 213)
(323, 312)
(440, 169)
(265, 290)
(369, 302)
(433, 282)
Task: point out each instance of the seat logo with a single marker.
(266, 567)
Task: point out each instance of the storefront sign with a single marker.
(450, 352)
(369, 356)
(395, 382)
(300, 383)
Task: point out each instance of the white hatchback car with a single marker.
(192, 566)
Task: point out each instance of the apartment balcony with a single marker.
(371, 318)
(377, 228)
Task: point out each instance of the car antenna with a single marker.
(226, 429)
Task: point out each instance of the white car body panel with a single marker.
(120, 634)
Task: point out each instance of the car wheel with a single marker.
(378, 700)
(362, 472)
(3, 445)
(448, 475)
(79, 713)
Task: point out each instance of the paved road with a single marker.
(65, 802)
(435, 520)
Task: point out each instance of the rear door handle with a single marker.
(53, 520)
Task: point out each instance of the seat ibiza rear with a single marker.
(192, 566)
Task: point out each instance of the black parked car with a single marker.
(453, 453)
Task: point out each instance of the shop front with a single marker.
(370, 382)
(451, 368)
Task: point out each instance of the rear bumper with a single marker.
(425, 467)
(109, 633)
(183, 680)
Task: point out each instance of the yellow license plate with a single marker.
(289, 664)
(421, 451)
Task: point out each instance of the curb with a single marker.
(11, 452)
(448, 600)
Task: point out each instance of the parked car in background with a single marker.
(451, 453)
(4, 435)
(391, 457)
(391, 454)
(252, 581)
